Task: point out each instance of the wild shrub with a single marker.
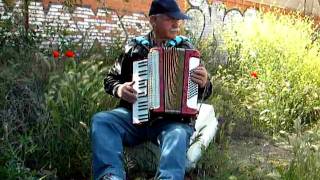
(306, 154)
(72, 98)
(33, 119)
(272, 71)
(270, 81)
(23, 75)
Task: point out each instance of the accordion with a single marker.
(164, 85)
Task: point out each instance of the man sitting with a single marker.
(113, 129)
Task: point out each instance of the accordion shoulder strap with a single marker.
(141, 40)
(177, 41)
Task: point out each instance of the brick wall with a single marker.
(104, 19)
(122, 6)
(93, 20)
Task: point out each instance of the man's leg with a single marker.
(108, 133)
(173, 140)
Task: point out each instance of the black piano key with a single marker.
(141, 66)
(146, 101)
(142, 71)
(142, 106)
(141, 116)
(143, 80)
(142, 84)
(142, 74)
(142, 62)
(144, 119)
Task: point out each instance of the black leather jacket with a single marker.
(121, 71)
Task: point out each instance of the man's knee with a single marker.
(99, 120)
(181, 132)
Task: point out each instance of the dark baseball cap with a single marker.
(168, 7)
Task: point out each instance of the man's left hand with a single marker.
(200, 76)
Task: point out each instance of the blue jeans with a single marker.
(113, 129)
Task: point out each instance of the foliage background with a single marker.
(46, 103)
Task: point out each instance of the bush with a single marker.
(306, 155)
(46, 104)
(23, 75)
(73, 97)
(269, 83)
(272, 72)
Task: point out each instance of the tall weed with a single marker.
(72, 98)
(273, 70)
(305, 164)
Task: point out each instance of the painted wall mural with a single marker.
(102, 25)
(210, 19)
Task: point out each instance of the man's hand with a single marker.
(200, 76)
(127, 93)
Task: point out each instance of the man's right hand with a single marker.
(127, 93)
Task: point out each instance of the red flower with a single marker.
(254, 74)
(55, 54)
(69, 54)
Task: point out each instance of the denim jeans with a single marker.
(111, 130)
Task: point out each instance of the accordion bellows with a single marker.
(164, 85)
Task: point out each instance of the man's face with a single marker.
(165, 27)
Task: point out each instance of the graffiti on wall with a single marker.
(209, 19)
(102, 25)
(212, 18)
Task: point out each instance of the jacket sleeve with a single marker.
(204, 93)
(118, 73)
(113, 79)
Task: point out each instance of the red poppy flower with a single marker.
(254, 74)
(55, 54)
(69, 53)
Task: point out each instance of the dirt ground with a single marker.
(262, 154)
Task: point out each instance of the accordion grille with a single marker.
(173, 62)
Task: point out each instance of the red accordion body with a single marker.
(164, 85)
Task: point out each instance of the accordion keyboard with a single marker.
(140, 108)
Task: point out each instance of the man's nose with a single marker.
(175, 22)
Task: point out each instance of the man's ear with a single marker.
(152, 20)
